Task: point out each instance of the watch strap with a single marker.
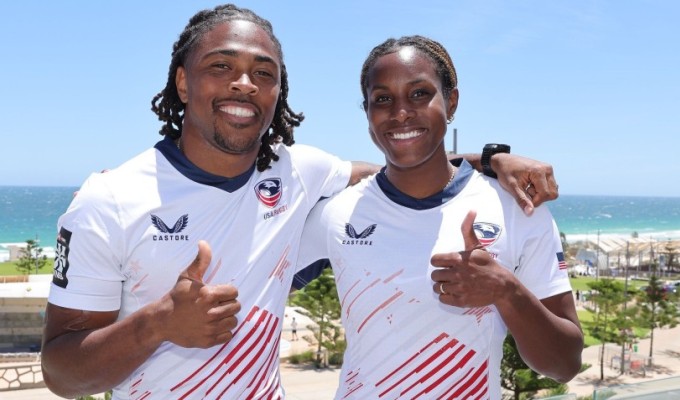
(489, 150)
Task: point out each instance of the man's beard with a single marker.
(235, 144)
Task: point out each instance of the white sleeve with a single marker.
(87, 269)
(314, 242)
(542, 269)
(323, 174)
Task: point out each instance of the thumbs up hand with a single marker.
(194, 314)
(468, 278)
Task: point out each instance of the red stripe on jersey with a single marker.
(438, 339)
(418, 368)
(396, 274)
(349, 307)
(473, 379)
(382, 306)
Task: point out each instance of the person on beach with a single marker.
(433, 263)
(293, 329)
(173, 270)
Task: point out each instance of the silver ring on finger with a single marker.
(441, 288)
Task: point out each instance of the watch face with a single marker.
(497, 148)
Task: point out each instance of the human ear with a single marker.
(452, 104)
(181, 83)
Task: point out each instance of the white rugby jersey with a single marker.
(130, 232)
(402, 342)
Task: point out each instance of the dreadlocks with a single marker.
(170, 109)
(433, 49)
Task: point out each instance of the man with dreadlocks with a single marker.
(132, 307)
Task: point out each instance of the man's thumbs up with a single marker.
(196, 270)
(195, 314)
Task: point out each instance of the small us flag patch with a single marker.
(561, 264)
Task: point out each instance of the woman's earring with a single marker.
(450, 119)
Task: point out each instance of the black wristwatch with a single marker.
(489, 150)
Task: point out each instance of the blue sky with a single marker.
(592, 87)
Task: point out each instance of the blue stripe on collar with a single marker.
(169, 149)
(461, 179)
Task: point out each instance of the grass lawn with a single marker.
(581, 283)
(586, 316)
(10, 268)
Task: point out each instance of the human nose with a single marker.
(244, 85)
(402, 112)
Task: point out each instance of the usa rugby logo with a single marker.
(269, 191)
(487, 233)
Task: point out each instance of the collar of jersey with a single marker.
(461, 179)
(169, 149)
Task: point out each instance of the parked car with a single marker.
(584, 270)
(666, 289)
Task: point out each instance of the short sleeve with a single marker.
(314, 241)
(87, 268)
(323, 174)
(542, 268)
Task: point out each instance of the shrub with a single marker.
(300, 358)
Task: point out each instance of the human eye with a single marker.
(381, 99)
(221, 65)
(264, 73)
(418, 93)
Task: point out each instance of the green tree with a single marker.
(609, 324)
(671, 255)
(656, 309)
(565, 243)
(107, 396)
(518, 378)
(32, 258)
(320, 302)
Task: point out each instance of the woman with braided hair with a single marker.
(132, 306)
(422, 224)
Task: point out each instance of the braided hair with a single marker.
(170, 109)
(431, 48)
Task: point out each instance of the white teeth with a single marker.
(406, 135)
(237, 111)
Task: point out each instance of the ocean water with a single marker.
(32, 212)
(579, 217)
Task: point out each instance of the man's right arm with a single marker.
(77, 343)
